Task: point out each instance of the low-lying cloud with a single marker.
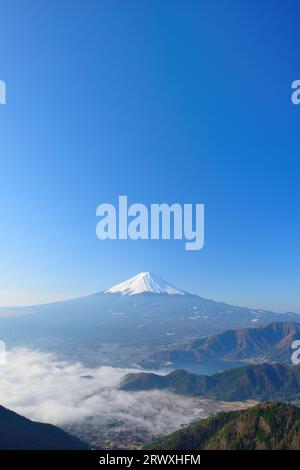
(41, 387)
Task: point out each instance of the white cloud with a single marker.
(41, 387)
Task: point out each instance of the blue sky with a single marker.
(164, 101)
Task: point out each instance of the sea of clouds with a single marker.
(41, 387)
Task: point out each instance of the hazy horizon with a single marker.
(46, 300)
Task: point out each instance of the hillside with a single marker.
(258, 382)
(265, 343)
(272, 426)
(19, 433)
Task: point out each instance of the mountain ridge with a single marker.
(20, 433)
(267, 426)
(272, 342)
(254, 382)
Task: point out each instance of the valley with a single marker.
(120, 435)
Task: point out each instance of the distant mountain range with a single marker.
(270, 343)
(268, 426)
(143, 312)
(19, 433)
(257, 382)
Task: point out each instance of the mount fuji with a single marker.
(142, 283)
(129, 319)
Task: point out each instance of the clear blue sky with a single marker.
(165, 101)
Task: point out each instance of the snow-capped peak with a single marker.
(142, 283)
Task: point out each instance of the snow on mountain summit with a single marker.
(142, 283)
